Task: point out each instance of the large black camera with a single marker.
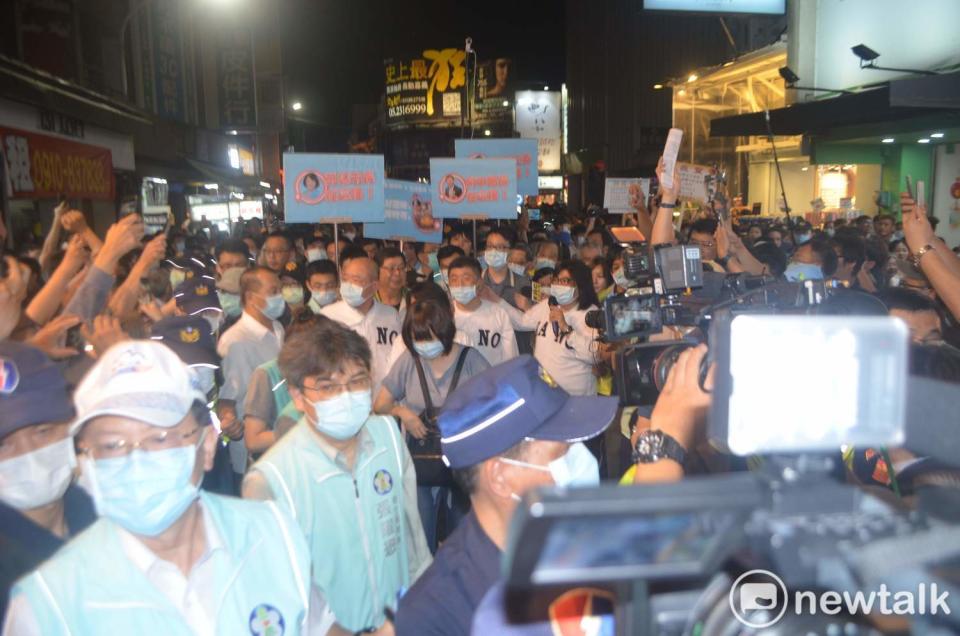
(656, 283)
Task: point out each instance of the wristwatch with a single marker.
(654, 445)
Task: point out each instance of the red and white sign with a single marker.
(43, 167)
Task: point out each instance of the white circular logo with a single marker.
(758, 591)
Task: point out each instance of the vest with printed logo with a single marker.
(354, 524)
(89, 587)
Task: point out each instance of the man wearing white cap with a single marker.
(163, 558)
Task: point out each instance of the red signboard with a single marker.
(42, 167)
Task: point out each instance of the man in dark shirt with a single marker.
(498, 277)
(504, 432)
(40, 507)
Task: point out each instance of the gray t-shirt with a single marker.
(260, 402)
(403, 382)
(511, 285)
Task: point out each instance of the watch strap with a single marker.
(654, 445)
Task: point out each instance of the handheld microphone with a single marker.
(556, 326)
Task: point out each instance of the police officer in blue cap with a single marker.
(504, 432)
(40, 507)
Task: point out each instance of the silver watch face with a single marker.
(650, 444)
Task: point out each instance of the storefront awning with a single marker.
(900, 100)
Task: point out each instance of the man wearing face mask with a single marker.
(548, 254)
(163, 557)
(254, 340)
(197, 348)
(446, 255)
(39, 507)
(228, 293)
(359, 310)
(814, 260)
(198, 297)
(498, 277)
(504, 432)
(482, 324)
(347, 478)
(323, 282)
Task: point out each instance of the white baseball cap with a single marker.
(140, 379)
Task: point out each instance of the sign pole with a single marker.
(336, 243)
(476, 248)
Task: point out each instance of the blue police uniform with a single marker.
(446, 596)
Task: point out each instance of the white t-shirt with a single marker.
(567, 358)
(380, 327)
(488, 330)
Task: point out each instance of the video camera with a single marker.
(689, 558)
(641, 370)
(651, 301)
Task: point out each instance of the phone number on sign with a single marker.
(407, 109)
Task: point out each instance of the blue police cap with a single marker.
(197, 294)
(190, 339)
(506, 404)
(32, 389)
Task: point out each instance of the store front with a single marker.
(47, 157)
(861, 147)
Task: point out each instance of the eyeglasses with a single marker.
(702, 243)
(111, 448)
(326, 389)
(395, 268)
(566, 282)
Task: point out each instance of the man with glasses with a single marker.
(393, 275)
(498, 277)
(359, 310)
(703, 235)
(277, 252)
(164, 557)
(347, 478)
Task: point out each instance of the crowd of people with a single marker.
(284, 430)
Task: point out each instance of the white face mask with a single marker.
(39, 477)
(576, 468)
(316, 254)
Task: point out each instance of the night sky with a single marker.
(333, 50)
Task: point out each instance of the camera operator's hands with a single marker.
(668, 195)
(682, 405)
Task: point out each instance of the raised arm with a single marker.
(52, 240)
(45, 304)
(663, 223)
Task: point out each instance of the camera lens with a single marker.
(664, 363)
(595, 319)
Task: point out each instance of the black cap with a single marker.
(190, 339)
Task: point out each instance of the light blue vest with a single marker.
(89, 587)
(355, 524)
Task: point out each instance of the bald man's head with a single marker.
(258, 282)
(360, 269)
